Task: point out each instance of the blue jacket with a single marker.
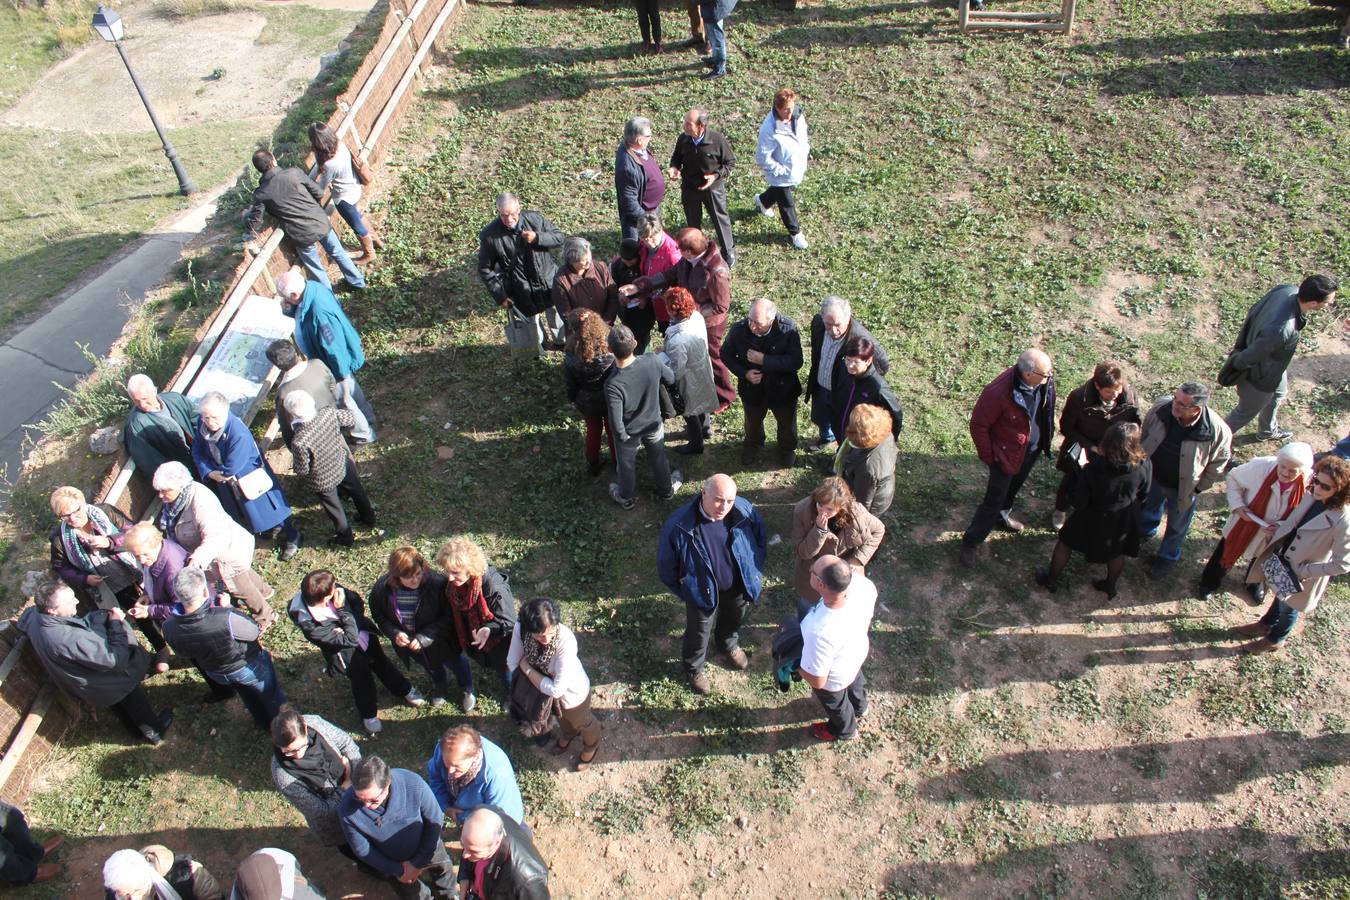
(683, 564)
(323, 331)
(238, 456)
(494, 786)
(406, 829)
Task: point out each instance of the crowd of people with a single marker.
(185, 581)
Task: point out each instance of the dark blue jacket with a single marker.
(323, 331)
(683, 564)
(238, 457)
(407, 829)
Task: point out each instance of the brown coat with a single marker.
(1319, 551)
(710, 283)
(592, 288)
(856, 545)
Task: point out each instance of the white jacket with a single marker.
(686, 352)
(783, 149)
(1242, 485)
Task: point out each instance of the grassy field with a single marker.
(1126, 193)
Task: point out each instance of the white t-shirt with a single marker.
(338, 177)
(834, 641)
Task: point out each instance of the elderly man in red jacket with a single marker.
(1013, 424)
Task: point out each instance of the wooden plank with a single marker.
(963, 14)
(12, 658)
(405, 29)
(389, 108)
(27, 731)
(1015, 16)
(1020, 26)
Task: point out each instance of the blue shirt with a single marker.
(494, 785)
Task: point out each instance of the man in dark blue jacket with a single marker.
(393, 824)
(711, 554)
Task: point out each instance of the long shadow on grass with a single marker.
(1204, 770)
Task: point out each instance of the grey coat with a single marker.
(686, 352)
(1269, 338)
(321, 813)
(93, 658)
(871, 474)
(319, 453)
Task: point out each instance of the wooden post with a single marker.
(12, 659)
(27, 731)
(963, 14)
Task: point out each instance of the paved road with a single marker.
(47, 352)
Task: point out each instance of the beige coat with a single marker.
(214, 541)
(856, 545)
(1202, 463)
(1319, 551)
(1242, 485)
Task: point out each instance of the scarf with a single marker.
(213, 443)
(171, 512)
(1240, 538)
(540, 655)
(86, 558)
(838, 467)
(320, 767)
(457, 785)
(468, 609)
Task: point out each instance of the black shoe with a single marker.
(289, 551)
(1044, 580)
(787, 458)
(152, 737)
(1105, 587)
(165, 719)
(344, 539)
(367, 522)
(708, 61)
(1256, 594)
(690, 450)
(595, 468)
(749, 456)
(709, 76)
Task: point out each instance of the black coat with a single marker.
(1085, 419)
(516, 871)
(869, 387)
(432, 619)
(782, 349)
(336, 639)
(881, 362)
(585, 382)
(516, 270)
(292, 198)
(712, 154)
(1104, 523)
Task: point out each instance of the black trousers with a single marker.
(136, 713)
(843, 708)
(714, 199)
(649, 20)
(350, 486)
(723, 624)
(999, 494)
(641, 319)
(367, 665)
(439, 875)
(787, 206)
(784, 416)
(19, 853)
(1212, 576)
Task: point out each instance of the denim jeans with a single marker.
(257, 685)
(1178, 520)
(352, 216)
(309, 258)
(19, 853)
(717, 40)
(351, 398)
(821, 413)
(1280, 618)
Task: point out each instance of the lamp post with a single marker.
(108, 24)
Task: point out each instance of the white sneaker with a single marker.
(1058, 518)
(467, 701)
(415, 699)
(763, 210)
(372, 726)
(676, 480)
(437, 700)
(799, 241)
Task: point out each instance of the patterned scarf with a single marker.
(86, 558)
(170, 512)
(540, 655)
(468, 609)
(319, 767)
(1240, 538)
(458, 784)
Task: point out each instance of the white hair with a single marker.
(832, 302)
(300, 405)
(292, 281)
(140, 382)
(127, 872)
(171, 476)
(506, 199)
(213, 400)
(767, 306)
(1298, 453)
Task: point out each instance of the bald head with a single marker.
(762, 313)
(291, 283)
(1034, 366)
(831, 576)
(482, 835)
(718, 497)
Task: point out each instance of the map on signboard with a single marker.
(238, 366)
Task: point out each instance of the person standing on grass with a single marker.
(1012, 426)
(515, 264)
(781, 152)
(764, 352)
(835, 646)
(225, 645)
(1189, 446)
(312, 762)
(1264, 349)
(500, 861)
(324, 333)
(583, 283)
(702, 160)
(586, 366)
(467, 770)
(293, 199)
(686, 352)
(830, 522)
(393, 824)
(21, 857)
(831, 328)
(94, 658)
(632, 402)
(299, 374)
(336, 174)
(1106, 398)
(711, 555)
(160, 427)
(714, 13)
(649, 23)
(638, 180)
(481, 608)
(867, 458)
(322, 459)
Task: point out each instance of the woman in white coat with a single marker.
(686, 352)
(781, 153)
(1314, 541)
(1261, 494)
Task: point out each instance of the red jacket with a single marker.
(1000, 427)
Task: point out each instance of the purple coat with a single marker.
(157, 581)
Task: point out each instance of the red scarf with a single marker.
(468, 609)
(1240, 538)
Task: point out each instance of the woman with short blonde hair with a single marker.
(867, 457)
(482, 609)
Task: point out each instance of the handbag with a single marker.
(1280, 576)
(362, 170)
(254, 484)
(522, 333)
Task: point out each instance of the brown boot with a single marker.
(1252, 630)
(46, 872)
(367, 248)
(1262, 645)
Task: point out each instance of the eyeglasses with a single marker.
(67, 516)
(1324, 485)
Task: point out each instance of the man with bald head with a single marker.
(324, 333)
(160, 427)
(711, 555)
(702, 160)
(516, 265)
(500, 862)
(835, 646)
(764, 351)
(1012, 426)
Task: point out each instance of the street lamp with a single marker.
(108, 24)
